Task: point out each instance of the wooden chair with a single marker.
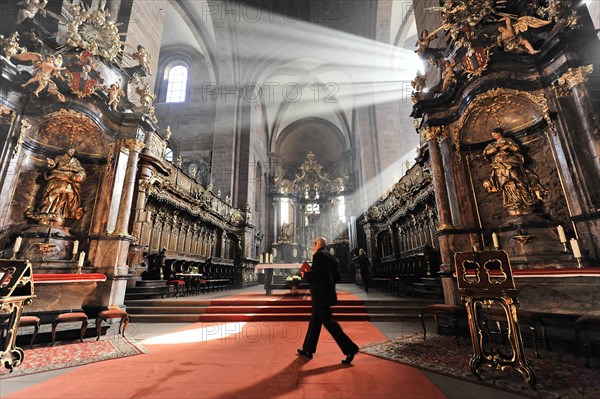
(532, 319)
(70, 318)
(108, 314)
(442, 309)
(584, 325)
(25, 321)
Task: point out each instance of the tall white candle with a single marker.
(81, 259)
(561, 234)
(17, 244)
(270, 258)
(261, 258)
(75, 246)
(495, 240)
(575, 248)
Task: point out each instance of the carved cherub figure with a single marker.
(11, 46)
(146, 95)
(143, 58)
(423, 41)
(115, 92)
(30, 8)
(45, 69)
(510, 39)
(448, 74)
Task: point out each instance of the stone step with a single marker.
(158, 310)
(212, 318)
(151, 283)
(147, 290)
(170, 302)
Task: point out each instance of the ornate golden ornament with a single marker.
(132, 145)
(521, 189)
(510, 37)
(92, 31)
(11, 47)
(45, 68)
(6, 112)
(62, 196)
(502, 97)
(564, 85)
(151, 114)
(432, 132)
(74, 125)
(476, 61)
(418, 83)
(25, 126)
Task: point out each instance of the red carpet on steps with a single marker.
(258, 361)
(254, 307)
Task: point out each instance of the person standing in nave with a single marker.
(322, 276)
(365, 267)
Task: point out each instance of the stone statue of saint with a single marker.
(285, 232)
(62, 196)
(521, 189)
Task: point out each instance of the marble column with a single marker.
(134, 147)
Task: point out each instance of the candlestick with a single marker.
(561, 234)
(80, 262)
(495, 240)
(17, 244)
(75, 249)
(575, 248)
(16, 247)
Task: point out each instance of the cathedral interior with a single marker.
(155, 151)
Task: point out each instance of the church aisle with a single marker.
(207, 360)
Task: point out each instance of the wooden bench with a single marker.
(442, 309)
(584, 325)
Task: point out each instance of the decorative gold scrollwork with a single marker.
(495, 271)
(471, 272)
(564, 85)
(25, 126)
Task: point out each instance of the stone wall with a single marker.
(145, 27)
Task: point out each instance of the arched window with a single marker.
(177, 80)
(169, 154)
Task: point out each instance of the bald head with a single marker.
(320, 242)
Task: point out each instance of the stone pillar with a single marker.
(134, 147)
(430, 134)
(439, 177)
(577, 153)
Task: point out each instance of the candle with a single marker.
(17, 244)
(261, 258)
(270, 258)
(575, 248)
(81, 258)
(495, 240)
(561, 234)
(75, 246)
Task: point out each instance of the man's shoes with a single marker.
(306, 354)
(349, 358)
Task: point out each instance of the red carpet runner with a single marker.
(242, 360)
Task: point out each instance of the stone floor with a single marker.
(452, 388)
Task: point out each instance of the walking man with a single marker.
(322, 277)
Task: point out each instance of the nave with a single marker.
(258, 361)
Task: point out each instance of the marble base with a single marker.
(535, 248)
(46, 243)
(579, 295)
(55, 294)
